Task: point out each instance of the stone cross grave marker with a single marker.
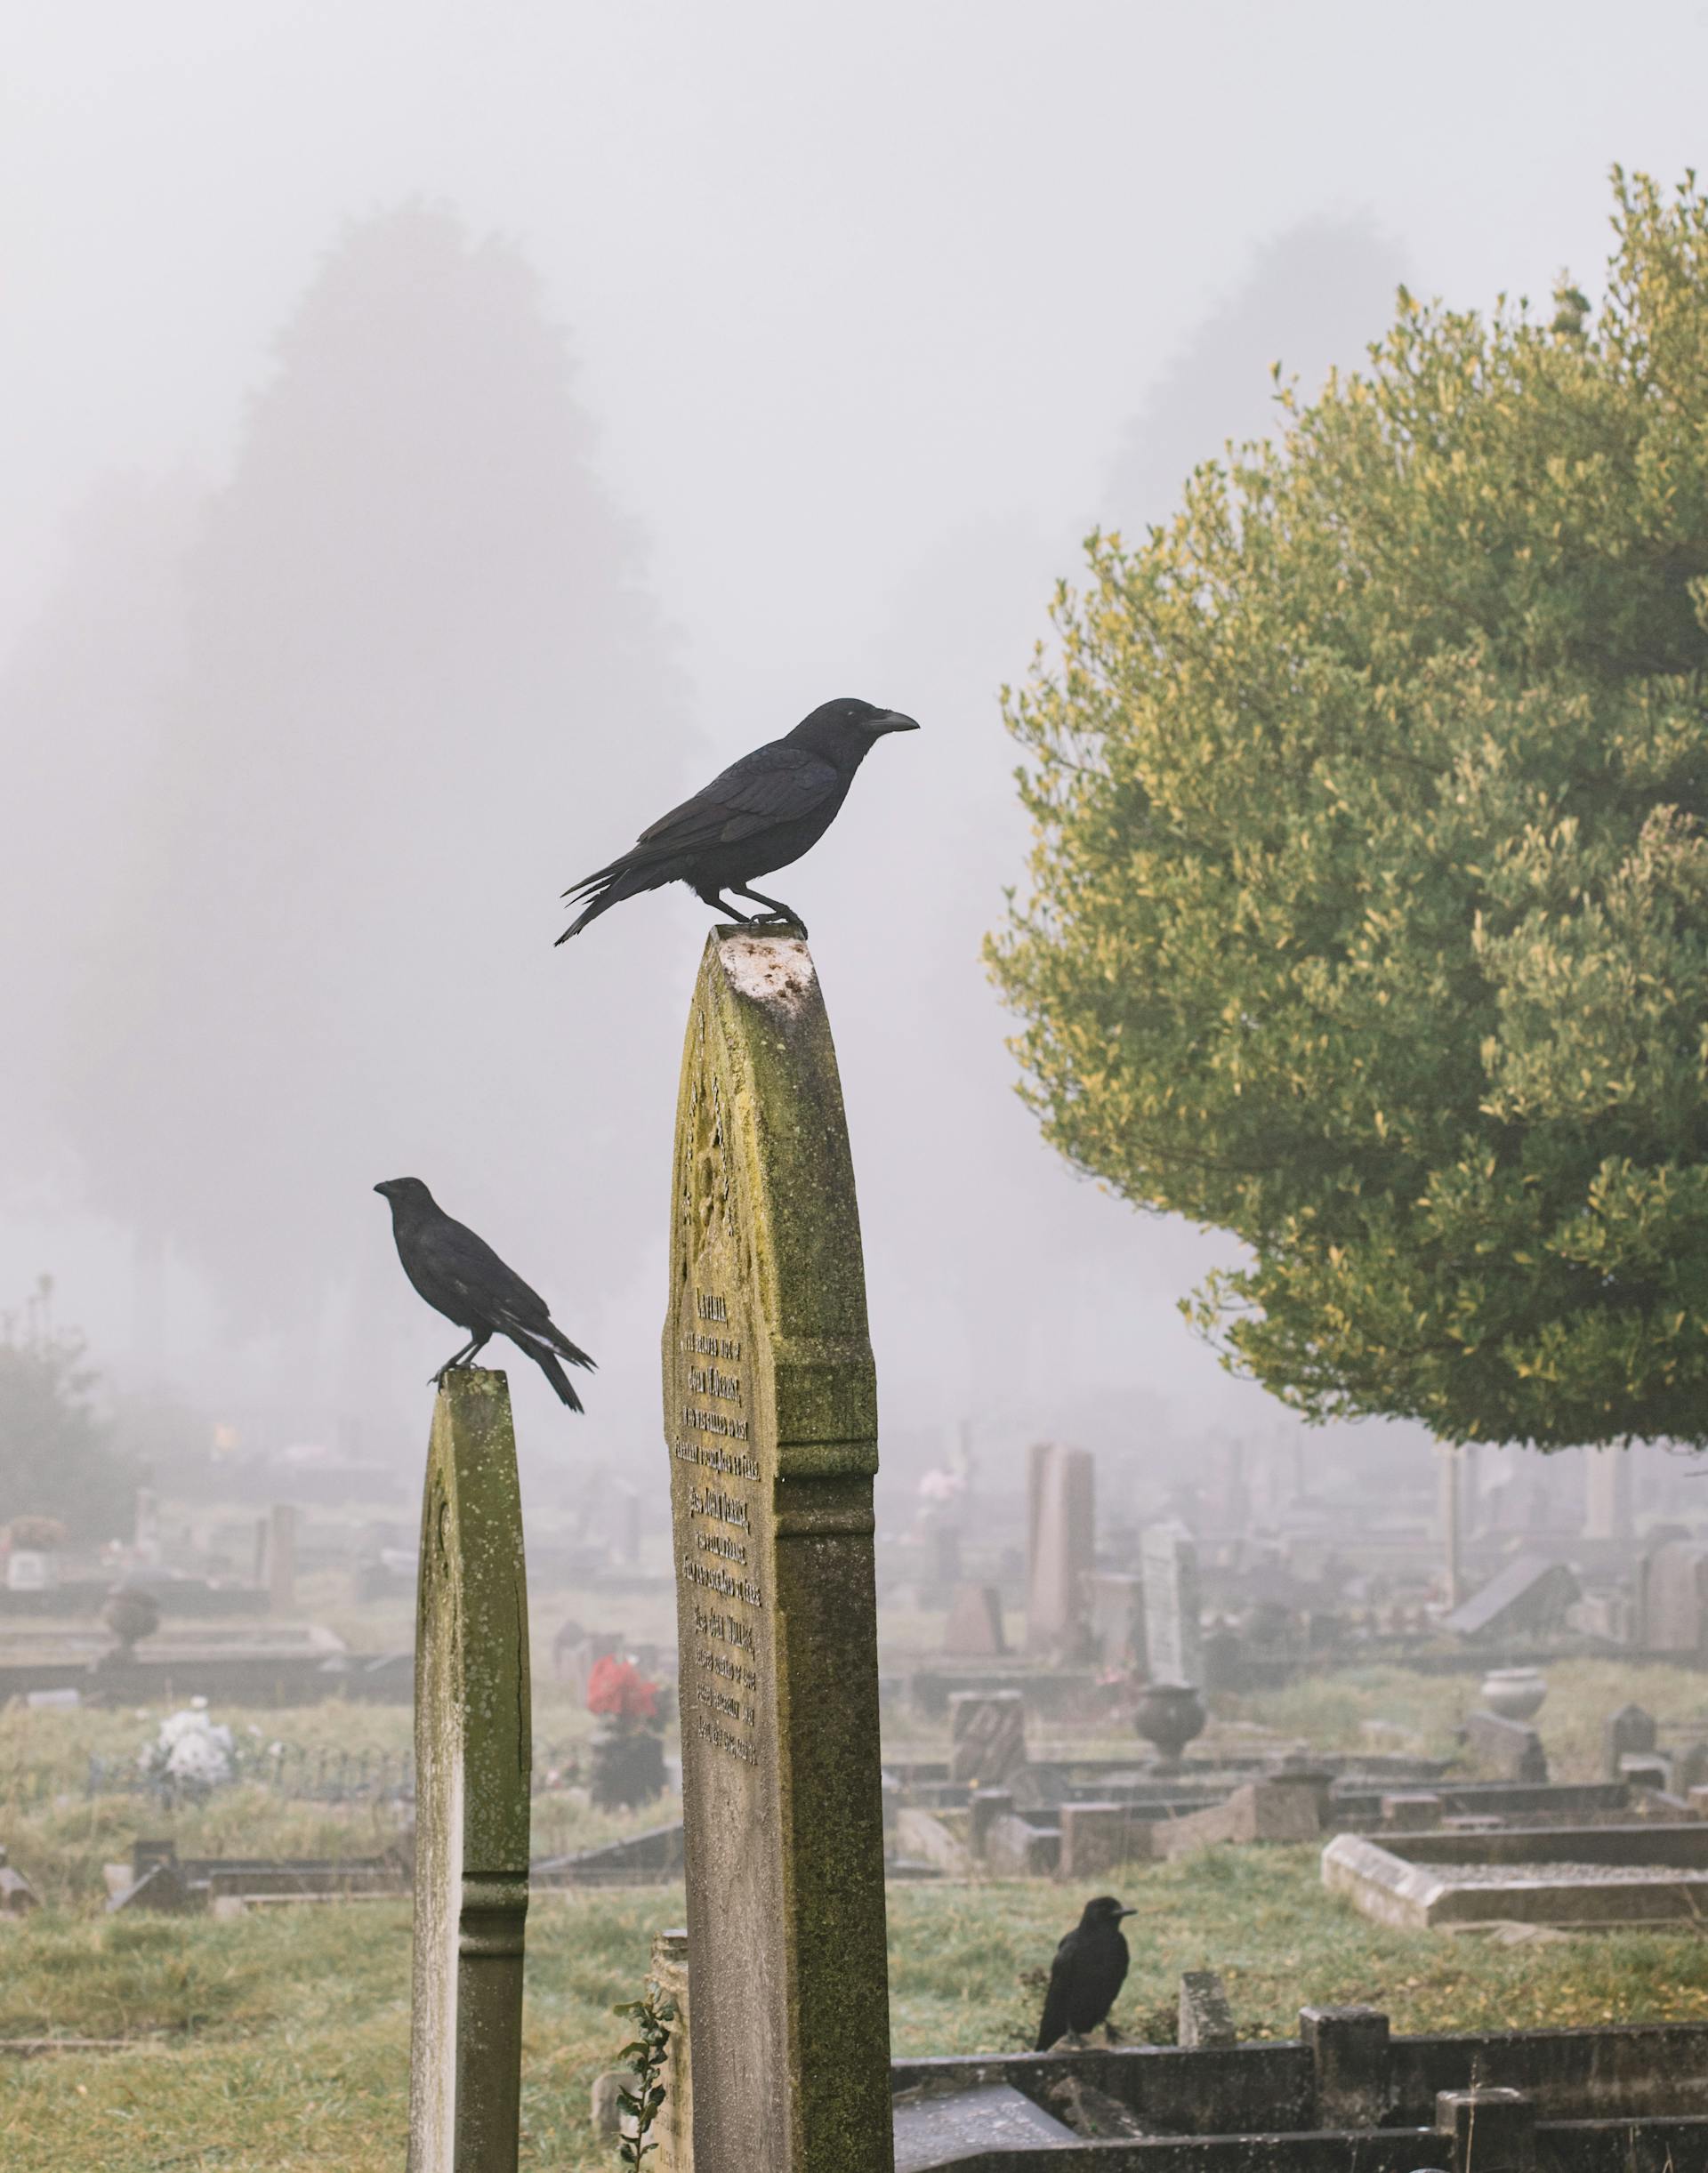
(473, 1755)
(1168, 1557)
(770, 1414)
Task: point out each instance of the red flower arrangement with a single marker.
(618, 1688)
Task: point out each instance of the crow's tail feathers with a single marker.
(565, 1348)
(548, 1365)
(559, 1378)
(608, 886)
(601, 904)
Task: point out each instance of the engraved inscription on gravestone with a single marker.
(771, 1418)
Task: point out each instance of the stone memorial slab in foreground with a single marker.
(473, 1755)
(770, 1414)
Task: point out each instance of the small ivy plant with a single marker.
(645, 2058)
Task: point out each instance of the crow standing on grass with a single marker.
(461, 1276)
(1090, 1968)
(763, 813)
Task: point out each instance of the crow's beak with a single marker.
(892, 721)
(1126, 1912)
(383, 1188)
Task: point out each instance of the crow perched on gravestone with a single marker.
(1090, 1968)
(461, 1276)
(763, 813)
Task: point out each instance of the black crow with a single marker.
(763, 813)
(1090, 1968)
(461, 1276)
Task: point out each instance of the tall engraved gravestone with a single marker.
(770, 1413)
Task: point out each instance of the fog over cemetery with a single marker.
(1063, 1516)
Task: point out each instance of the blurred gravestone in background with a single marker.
(1173, 1646)
(1061, 1546)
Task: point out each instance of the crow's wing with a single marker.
(775, 783)
(1059, 1998)
(467, 1264)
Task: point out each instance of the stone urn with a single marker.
(132, 1614)
(1169, 1714)
(1514, 1694)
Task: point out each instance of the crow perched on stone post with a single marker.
(1090, 1968)
(461, 1276)
(761, 813)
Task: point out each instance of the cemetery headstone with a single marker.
(575, 1657)
(1530, 1594)
(17, 1897)
(1116, 1611)
(279, 1550)
(1606, 1493)
(1061, 1548)
(473, 1755)
(29, 1570)
(565, 1644)
(974, 1629)
(1205, 2016)
(1169, 1560)
(606, 2111)
(770, 1413)
(672, 2130)
(145, 1533)
(1631, 1731)
(1674, 1610)
(1508, 1749)
(986, 1735)
(1452, 1519)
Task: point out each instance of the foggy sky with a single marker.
(803, 347)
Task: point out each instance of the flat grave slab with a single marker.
(936, 2125)
(1555, 1889)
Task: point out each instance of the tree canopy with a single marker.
(1369, 904)
(57, 1458)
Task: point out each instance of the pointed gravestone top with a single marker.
(770, 1413)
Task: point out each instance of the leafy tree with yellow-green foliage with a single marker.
(1369, 908)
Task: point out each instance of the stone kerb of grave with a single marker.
(770, 1415)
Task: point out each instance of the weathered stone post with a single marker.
(770, 1412)
(473, 1751)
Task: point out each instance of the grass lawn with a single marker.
(281, 2040)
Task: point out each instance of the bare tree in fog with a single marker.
(415, 643)
(1312, 301)
(84, 699)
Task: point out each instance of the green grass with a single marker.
(1329, 1710)
(280, 2041)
